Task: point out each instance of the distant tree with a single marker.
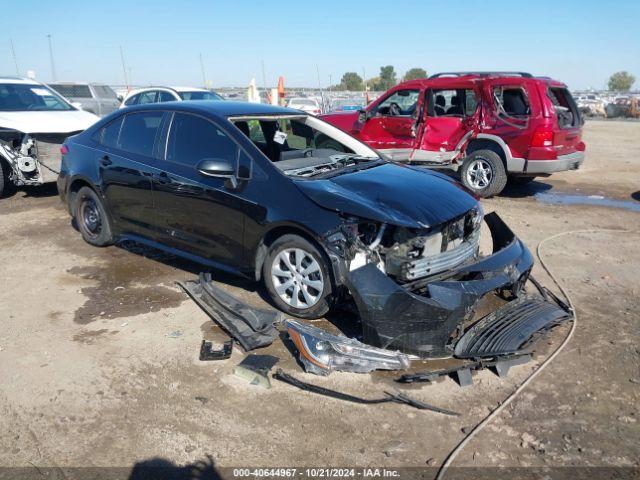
(387, 77)
(414, 73)
(351, 81)
(621, 81)
(373, 84)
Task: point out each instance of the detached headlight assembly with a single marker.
(321, 352)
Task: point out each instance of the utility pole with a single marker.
(53, 65)
(204, 75)
(124, 68)
(364, 80)
(15, 60)
(330, 83)
(318, 73)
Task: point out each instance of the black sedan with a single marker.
(273, 194)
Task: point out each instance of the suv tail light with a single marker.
(64, 149)
(542, 137)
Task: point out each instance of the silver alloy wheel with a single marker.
(297, 278)
(479, 173)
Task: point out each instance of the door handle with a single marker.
(105, 161)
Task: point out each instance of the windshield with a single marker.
(303, 101)
(20, 97)
(305, 146)
(197, 95)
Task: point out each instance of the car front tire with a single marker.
(296, 276)
(6, 186)
(92, 219)
(483, 173)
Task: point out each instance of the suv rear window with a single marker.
(104, 92)
(76, 91)
(564, 106)
(512, 105)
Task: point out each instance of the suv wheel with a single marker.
(92, 219)
(296, 276)
(483, 172)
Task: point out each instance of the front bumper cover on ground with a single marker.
(425, 320)
(251, 327)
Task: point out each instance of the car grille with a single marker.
(441, 262)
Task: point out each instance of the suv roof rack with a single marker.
(481, 74)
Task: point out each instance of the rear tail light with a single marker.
(542, 137)
(64, 149)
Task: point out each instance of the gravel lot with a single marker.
(99, 352)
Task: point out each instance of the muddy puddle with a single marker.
(558, 198)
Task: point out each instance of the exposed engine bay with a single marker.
(417, 291)
(410, 254)
(34, 158)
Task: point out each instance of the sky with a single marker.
(578, 42)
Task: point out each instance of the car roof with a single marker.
(219, 108)
(478, 77)
(188, 89)
(19, 80)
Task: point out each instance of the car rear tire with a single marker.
(296, 277)
(483, 173)
(92, 219)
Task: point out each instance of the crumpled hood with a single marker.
(47, 122)
(391, 193)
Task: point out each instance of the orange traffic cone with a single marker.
(281, 90)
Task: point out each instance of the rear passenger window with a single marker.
(193, 138)
(453, 103)
(165, 97)
(132, 100)
(138, 132)
(147, 97)
(110, 133)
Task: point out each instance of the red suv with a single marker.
(487, 125)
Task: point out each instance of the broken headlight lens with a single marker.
(476, 215)
(321, 352)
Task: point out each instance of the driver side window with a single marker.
(399, 103)
(193, 138)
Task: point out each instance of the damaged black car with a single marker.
(319, 217)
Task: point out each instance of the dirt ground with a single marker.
(99, 353)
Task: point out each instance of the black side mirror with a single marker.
(216, 167)
(363, 116)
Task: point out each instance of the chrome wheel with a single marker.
(91, 218)
(479, 174)
(297, 278)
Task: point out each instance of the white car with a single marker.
(308, 105)
(141, 96)
(34, 122)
